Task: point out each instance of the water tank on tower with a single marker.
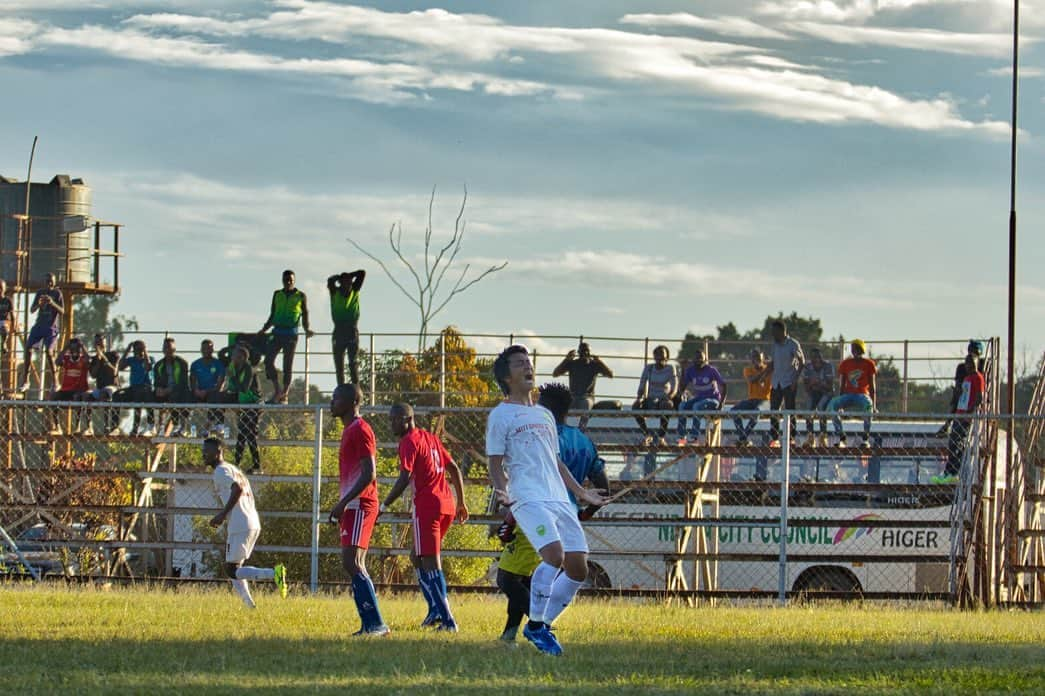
(60, 240)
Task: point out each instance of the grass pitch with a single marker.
(197, 641)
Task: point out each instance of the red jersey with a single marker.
(424, 457)
(856, 374)
(357, 442)
(74, 373)
(971, 394)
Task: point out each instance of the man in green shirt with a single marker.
(344, 310)
(288, 311)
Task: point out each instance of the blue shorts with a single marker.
(43, 336)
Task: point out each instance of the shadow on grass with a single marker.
(465, 664)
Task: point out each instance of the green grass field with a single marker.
(202, 641)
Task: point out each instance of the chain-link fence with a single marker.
(738, 504)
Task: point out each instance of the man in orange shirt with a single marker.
(856, 380)
(759, 378)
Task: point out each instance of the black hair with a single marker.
(289, 272)
(402, 408)
(556, 397)
(212, 440)
(352, 392)
(667, 353)
(779, 324)
(500, 365)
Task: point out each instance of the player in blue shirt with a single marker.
(207, 379)
(576, 449)
(139, 389)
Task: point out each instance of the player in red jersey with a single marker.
(356, 511)
(423, 464)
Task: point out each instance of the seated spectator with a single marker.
(206, 378)
(241, 387)
(103, 369)
(975, 350)
(857, 386)
(759, 378)
(73, 363)
(8, 318)
(818, 377)
(657, 388)
(970, 397)
(139, 386)
(583, 369)
(171, 382)
(704, 389)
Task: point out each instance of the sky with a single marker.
(645, 168)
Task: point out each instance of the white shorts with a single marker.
(240, 545)
(549, 520)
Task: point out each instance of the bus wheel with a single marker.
(827, 579)
(598, 578)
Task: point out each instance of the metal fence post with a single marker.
(442, 369)
(905, 389)
(317, 480)
(373, 372)
(785, 475)
(307, 365)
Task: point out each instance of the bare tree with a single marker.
(429, 279)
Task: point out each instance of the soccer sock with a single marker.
(564, 589)
(243, 591)
(437, 586)
(540, 590)
(426, 591)
(366, 601)
(252, 573)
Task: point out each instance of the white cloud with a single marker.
(467, 53)
(1025, 71)
(843, 10)
(372, 81)
(991, 45)
(726, 26)
(15, 36)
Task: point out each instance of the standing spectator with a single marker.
(970, 397)
(288, 311)
(706, 391)
(583, 369)
(657, 388)
(787, 360)
(139, 386)
(857, 387)
(103, 369)
(171, 380)
(8, 322)
(73, 362)
(758, 376)
(206, 379)
(976, 350)
(241, 387)
(344, 310)
(49, 308)
(818, 377)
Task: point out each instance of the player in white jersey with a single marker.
(235, 494)
(522, 445)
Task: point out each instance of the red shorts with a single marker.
(429, 530)
(358, 524)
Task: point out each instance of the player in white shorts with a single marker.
(522, 445)
(235, 494)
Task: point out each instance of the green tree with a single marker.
(91, 315)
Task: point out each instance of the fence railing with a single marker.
(917, 363)
(710, 517)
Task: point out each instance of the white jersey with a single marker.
(243, 516)
(527, 439)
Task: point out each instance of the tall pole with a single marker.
(1010, 405)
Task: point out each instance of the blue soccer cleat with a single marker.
(543, 639)
(433, 619)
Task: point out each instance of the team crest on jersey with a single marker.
(541, 530)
